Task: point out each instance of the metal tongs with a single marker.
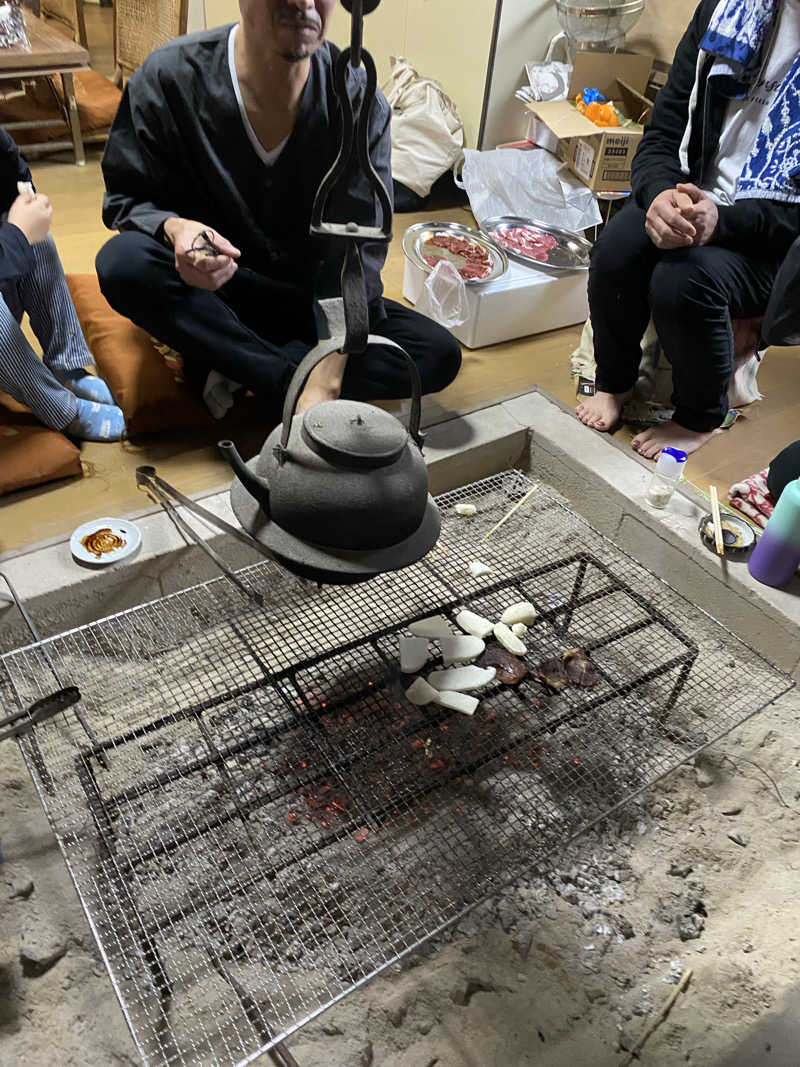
(167, 497)
(355, 142)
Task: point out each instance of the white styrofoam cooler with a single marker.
(523, 302)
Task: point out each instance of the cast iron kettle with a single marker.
(338, 494)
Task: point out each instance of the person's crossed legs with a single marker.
(692, 295)
(256, 332)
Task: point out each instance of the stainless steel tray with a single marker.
(415, 237)
(571, 252)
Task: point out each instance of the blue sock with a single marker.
(96, 422)
(85, 385)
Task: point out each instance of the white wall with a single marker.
(526, 28)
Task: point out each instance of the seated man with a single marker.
(56, 388)
(715, 208)
(220, 143)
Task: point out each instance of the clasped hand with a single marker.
(203, 257)
(682, 217)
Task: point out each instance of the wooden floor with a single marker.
(489, 375)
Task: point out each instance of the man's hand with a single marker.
(666, 223)
(33, 215)
(193, 262)
(703, 214)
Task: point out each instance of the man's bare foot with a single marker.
(323, 383)
(669, 435)
(602, 411)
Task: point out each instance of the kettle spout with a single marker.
(255, 486)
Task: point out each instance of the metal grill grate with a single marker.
(277, 823)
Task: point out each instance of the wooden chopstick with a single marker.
(508, 514)
(720, 544)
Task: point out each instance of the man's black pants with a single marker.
(692, 295)
(255, 331)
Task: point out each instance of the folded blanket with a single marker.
(752, 498)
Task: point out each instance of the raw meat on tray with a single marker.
(526, 241)
(470, 259)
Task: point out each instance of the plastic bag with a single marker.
(427, 132)
(444, 296)
(12, 26)
(509, 181)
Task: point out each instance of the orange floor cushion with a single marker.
(30, 454)
(97, 99)
(141, 379)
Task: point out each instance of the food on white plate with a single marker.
(553, 673)
(474, 624)
(478, 569)
(508, 640)
(471, 260)
(510, 669)
(527, 241)
(462, 679)
(522, 611)
(435, 626)
(460, 649)
(462, 702)
(579, 668)
(518, 629)
(414, 654)
(465, 509)
(419, 692)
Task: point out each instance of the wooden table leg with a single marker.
(74, 119)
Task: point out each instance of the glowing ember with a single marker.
(361, 834)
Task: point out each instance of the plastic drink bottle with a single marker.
(776, 557)
(668, 472)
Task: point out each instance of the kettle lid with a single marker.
(349, 433)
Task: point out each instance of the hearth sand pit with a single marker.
(277, 823)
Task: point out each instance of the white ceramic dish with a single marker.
(127, 531)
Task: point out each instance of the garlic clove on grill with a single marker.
(419, 693)
(460, 649)
(465, 509)
(522, 611)
(518, 629)
(435, 626)
(508, 640)
(462, 702)
(474, 624)
(462, 678)
(478, 569)
(414, 654)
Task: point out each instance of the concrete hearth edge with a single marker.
(591, 473)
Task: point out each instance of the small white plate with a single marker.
(122, 528)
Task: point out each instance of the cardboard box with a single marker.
(523, 302)
(600, 156)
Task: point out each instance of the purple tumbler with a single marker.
(776, 557)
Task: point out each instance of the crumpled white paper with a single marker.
(533, 184)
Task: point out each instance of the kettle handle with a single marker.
(333, 344)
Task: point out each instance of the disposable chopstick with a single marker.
(508, 514)
(720, 544)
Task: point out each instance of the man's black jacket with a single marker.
(16, 255)
(755, 226)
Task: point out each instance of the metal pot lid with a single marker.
(350, 433)
(570, 251)
(415, 238)
(333, 566)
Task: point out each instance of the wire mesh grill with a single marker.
(277, 822)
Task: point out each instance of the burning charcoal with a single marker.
(579, 668)
(460, 649)
(462, 678)
(523, 611)
(510, 669)
(508, 640)
(553, 673)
